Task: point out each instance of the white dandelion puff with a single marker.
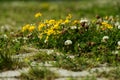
(68, 42)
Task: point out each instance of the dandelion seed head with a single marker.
(68, 42)
(83, 20)
(73, 27)
(118, 43)
(119, 27)
(105, 38)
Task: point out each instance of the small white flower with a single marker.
(25, 38)
(105, 38)
(111, 17)
(45, 41)
(73, 27)
(50, 51)
(15, 40)
(119, 27)
(33, 64)
(5, 28)
(106, 21)
(12, 33)
(68, 42)
(72, 57)
(83, 20)
(118, 43)
(117, 24)
(115, 52)
(5, 36)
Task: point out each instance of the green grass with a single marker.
(19, 13)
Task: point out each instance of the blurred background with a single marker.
(16, 13)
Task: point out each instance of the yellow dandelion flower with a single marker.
(75, 22)
(31, 28)
(106, 25)
(56, 26)
(60, 21)
(69, 16)
(106, 17)
(40, 26)
(46, 21)
(50, 31)
(47, 38)
(38, 14)
(24, 28)
(66, 21)
(109, 26)
(58, 32)
(52, 21)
